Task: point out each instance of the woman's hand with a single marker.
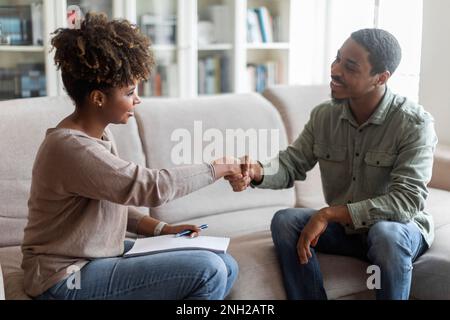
(169, 229)
(226, 166)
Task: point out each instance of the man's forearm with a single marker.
(338, 214)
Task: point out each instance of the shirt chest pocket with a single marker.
(380, 159)
(377, 171)
(333, 167)
(328, 153)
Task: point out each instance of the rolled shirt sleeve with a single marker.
(291, 164)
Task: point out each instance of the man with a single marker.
(375, 151)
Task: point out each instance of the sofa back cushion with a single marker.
(23, 126)
(295, 103)
(162, 123)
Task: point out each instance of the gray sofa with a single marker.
(245, 217)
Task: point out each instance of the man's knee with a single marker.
(288, 218)
(389, 242)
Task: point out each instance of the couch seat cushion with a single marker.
(260, 276)
(11, 259)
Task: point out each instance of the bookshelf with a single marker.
(201, 47)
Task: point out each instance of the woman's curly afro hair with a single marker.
(102, 54)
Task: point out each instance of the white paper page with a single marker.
(170, 243)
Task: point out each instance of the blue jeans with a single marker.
(174, 275)
(391, 246)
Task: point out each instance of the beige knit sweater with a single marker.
(78, 205)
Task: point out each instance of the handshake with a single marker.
(238, 172)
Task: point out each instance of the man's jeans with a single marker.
(176, 275)
(392, 246)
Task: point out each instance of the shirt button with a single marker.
(328, 156)
(363, 223)
(357, 154)
(354, 179)
(378, 163)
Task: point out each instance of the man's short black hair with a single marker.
(384, 50)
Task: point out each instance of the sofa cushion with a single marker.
(431, 280)
(11, 259)
(438, 205)
(24, 123)
(2, 287)
(431, 276)
(160, 119)
(260, 275)
(237, 223)
(295, 103)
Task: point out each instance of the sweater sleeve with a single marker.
(134, 218)
(90, 170)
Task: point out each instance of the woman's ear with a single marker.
(97, 98)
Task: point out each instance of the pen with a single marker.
(186, 232)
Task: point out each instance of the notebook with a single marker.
(165, 243)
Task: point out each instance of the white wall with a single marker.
(434, 92)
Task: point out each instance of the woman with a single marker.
(81, 190)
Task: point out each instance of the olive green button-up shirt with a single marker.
(379, 169)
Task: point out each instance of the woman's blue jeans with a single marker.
(391, 246)
(175, 275)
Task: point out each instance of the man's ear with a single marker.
(383, 78)
(97, 98)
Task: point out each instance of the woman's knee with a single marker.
(231, 265)
(214, 266)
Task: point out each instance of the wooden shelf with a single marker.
(269, 46)
(7, 48)
(216, 47)
(164, 47)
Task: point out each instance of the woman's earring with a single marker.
(100, 105)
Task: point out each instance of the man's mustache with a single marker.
(338, 80)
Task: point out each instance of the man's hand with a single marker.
(309, 237)
(250, 171)
(317, 225)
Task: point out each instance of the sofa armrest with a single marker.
(441, 168)
(2, 287)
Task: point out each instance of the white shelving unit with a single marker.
(177, 29)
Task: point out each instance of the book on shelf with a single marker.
(16, 26)
(265, 23)
(260, 26)
(253, 28)
(166, 243)
(214, 74)
(25, 81)
(163, 82)
(220, 17)
(37, 20)
(160, 29)
(263, 75)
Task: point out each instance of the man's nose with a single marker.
(336, 69)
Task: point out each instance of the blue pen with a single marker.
(186, 232)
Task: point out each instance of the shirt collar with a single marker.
(377, 117)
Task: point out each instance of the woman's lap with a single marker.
(168, 275)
